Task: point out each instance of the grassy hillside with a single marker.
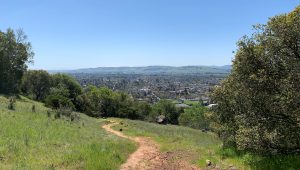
(31, 140)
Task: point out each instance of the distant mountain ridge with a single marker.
(151, 70)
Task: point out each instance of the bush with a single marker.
(12, 103)
(194, 117)
(36, 84)
(49, 113)
(143, 110)
(57, 101)
(64, 111)
(67, 113)
(72, 87)
(58, 98)
(106, 103)
(33, 108)
(167, 109)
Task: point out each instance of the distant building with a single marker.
(211, 106)
(182, 105)
(205, 103)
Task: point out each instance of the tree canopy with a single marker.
(258, 104)
(36, 84)
(15, 53)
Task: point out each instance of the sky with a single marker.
(71, 34)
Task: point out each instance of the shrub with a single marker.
(12, 103)
(64, 111)
(74, 117)
(49, 113)
(58, 97)
(194, 117)
(167, 109)
(143, 110)
(36, 84)
(33, 108)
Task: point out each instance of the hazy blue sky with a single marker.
(68, 34)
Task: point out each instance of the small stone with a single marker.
(233, 168)
(208, 162)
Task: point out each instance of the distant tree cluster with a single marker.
(258, 104)
(104, 102)
(63, 92)
(57, 90)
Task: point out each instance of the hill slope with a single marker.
(152, 70)
(31, 140)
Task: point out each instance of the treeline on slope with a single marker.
(258, 104)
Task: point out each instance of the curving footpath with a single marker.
(148, 156)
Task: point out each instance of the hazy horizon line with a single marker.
(66, 69)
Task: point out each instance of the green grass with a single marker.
(31, 140)
(198, 145)
(202, 146)
(263, 162)
(191, 103)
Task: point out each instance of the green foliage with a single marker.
(143, 109)
(107, 103)
(15, 53)
(36, 84)
(261, 162)
(166, 108)
(194, 117)
(258, 104)
(64, 111)
(101, 101)
(55, 90)
(12, 103)
(56, 101)
(33, 108)
(64, 92)
(73, 87)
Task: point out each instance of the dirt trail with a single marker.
(148, 156)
